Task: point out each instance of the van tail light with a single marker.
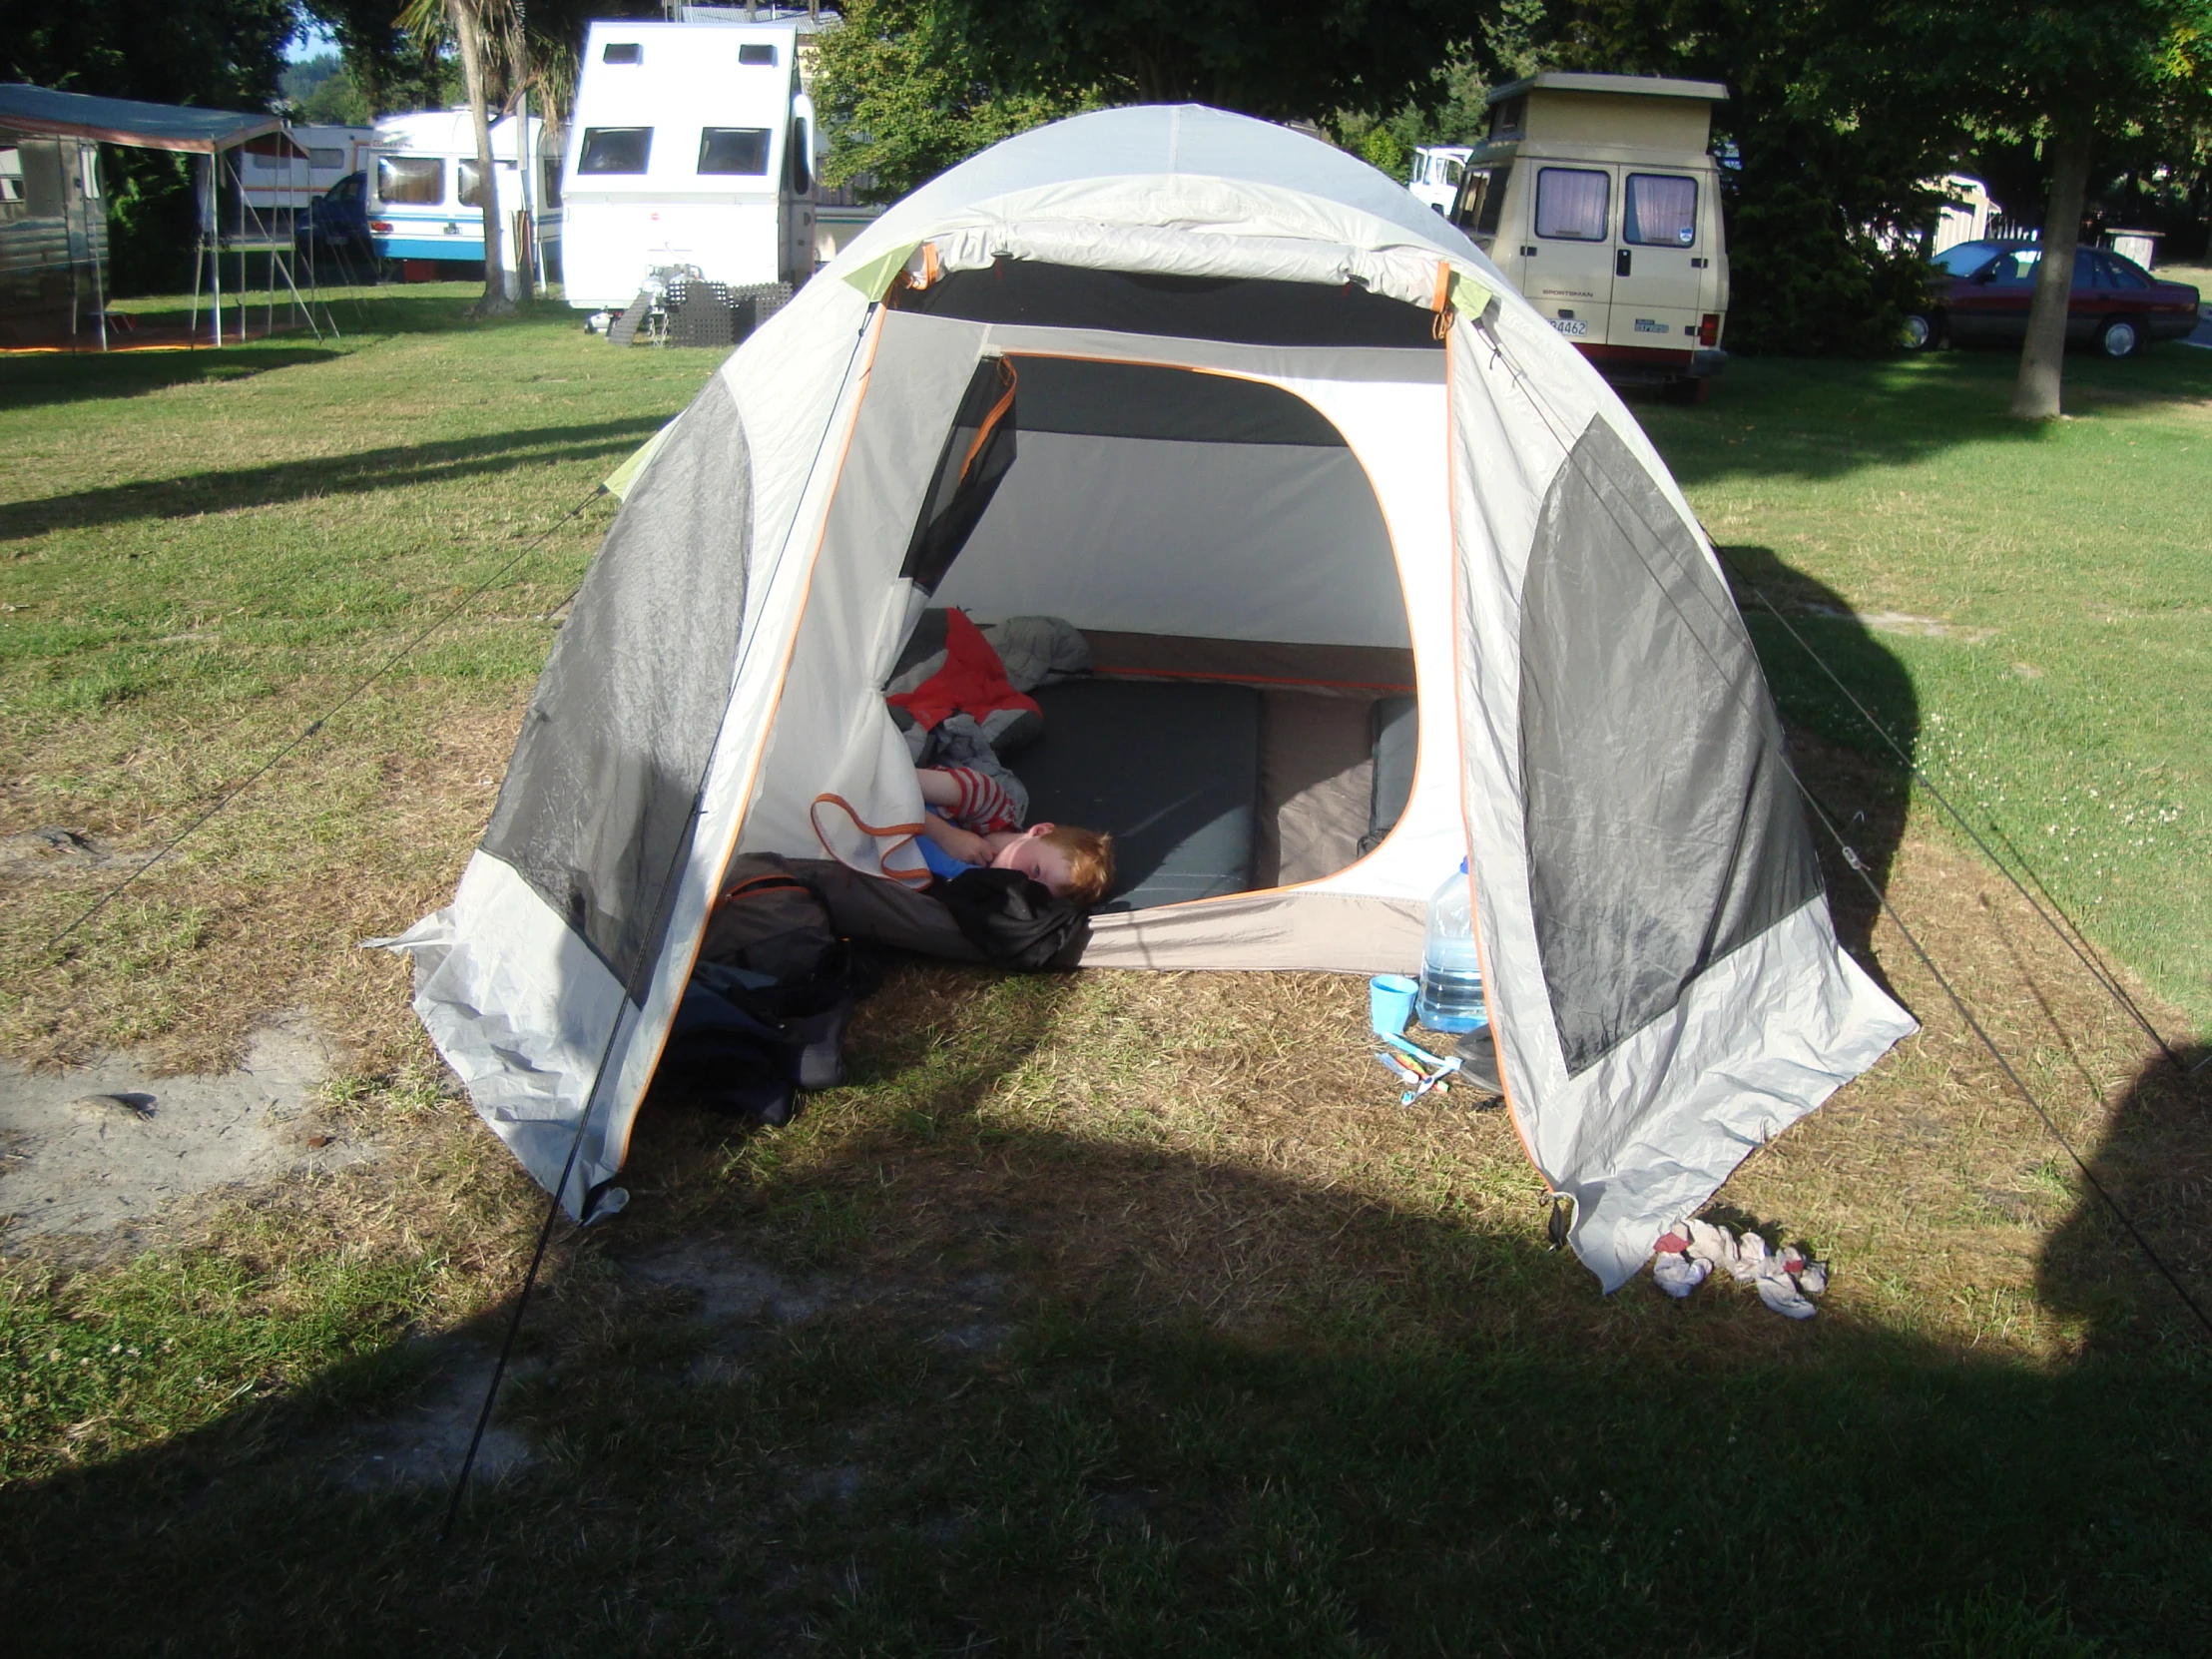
(1709, 328)
(380, 227)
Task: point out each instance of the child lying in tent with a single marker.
(971, 825)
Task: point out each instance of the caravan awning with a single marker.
(43, 112)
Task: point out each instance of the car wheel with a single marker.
(2122, 338)
(1918, 332)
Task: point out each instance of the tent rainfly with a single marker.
(1341, 517)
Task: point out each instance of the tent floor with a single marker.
(1307, 800)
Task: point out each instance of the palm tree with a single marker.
(482, 32)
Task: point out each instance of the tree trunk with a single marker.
(2044, 353)
(468, 34)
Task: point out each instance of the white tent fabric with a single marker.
(1638, 1078)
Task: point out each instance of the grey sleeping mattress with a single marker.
(1171, 769)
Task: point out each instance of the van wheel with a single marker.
(2122, 338)
(1918, 332)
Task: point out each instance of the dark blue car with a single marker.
(339, 217)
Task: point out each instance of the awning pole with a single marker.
(99, 286)
(215, 247)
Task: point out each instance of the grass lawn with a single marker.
(1114, 1313)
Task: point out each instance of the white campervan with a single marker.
(272, 184)
(1599, 198)
(1435, 181)
(425, 193)
(693, 146)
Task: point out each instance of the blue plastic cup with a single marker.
(1390, 1003)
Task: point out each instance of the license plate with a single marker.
(1572, 326)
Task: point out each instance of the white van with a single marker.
(1434, 179)
(275, 184)
(425, 197)
(1599, 198)
(693, 146)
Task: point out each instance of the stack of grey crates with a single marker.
(712, 313)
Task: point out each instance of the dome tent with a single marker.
(1236, 406)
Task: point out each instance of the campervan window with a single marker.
(471, 185)
(551, 167)
(411, 180)
(802, 176)
(734, 149)
(1659, 209)
(11, 180)
(1506, 118)
(1572, 204)
(326, 158)
(762, 56)
(1482, 199)
(614, 150)
(267, 163)
(622, 51)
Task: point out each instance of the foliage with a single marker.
(219, 54)
(324, 91)
(1291, 60)
(901, 96)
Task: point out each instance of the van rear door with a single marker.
(1567, 257)
(1659, 256)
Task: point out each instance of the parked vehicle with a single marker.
(1596, 197)
(1980, 292)
(693, 150)
(1435, 181)
(277, 186)
(425, 193)
(339, 217)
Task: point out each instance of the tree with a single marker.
(477, 29)
(903, 96)
(1833, 128)
(1285, 60)
(2079, 72)
(218, 54)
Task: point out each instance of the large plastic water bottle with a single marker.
(1450, 971)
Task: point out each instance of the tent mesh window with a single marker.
(596, 809)
(1248, 310)
(1663, 827)
(977, 454)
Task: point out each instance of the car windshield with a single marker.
(1967, 258)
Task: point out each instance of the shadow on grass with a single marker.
(1814, 419)
(31, 382)
(1431, 1437)
(363, 471)
(2156, 1163)
(1862, 781)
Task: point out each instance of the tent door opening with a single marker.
(1249, 718)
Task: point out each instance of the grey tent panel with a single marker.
(1397, 747)
(596, 811)
(1253, 309)
(1664, 829)
(1170, 405)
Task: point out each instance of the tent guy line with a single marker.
(2104, 977)
(270, 764)
(1858, 864)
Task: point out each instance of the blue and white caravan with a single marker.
(425, 193)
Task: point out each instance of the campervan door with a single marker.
(693, 145)
(425, 197)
